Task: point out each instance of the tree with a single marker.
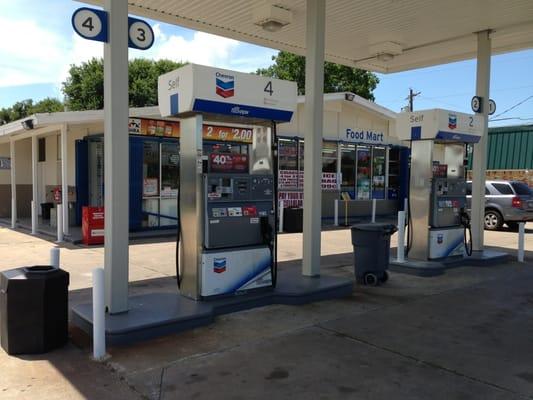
(84, 87)
(337, 78)
(47, 105)
(22, 109)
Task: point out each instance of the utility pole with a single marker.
(411, 96)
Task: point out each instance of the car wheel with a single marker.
(512, 226)
(493, 220)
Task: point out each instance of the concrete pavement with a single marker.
(462, 335)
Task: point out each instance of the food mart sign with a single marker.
(364, 136)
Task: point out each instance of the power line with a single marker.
(512, 108)
(508, 118)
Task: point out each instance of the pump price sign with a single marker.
(228, 162)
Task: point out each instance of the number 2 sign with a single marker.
(92, 24)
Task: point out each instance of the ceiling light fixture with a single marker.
(272, 18)
(385, 57)
(385, 51)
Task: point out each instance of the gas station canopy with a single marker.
(378, 35)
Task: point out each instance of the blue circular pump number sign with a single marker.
(90, 24)
(141, 35)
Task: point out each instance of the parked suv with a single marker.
(508, 202)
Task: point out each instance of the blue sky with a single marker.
(35, 62)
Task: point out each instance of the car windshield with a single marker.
(521, 188)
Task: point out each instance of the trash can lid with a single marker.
(375, 227)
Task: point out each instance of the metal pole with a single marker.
(345, 212)
(116, 154)
(313, 117)
(34, 214)
(480, 149)
(400, 256)
(64, 179)
(13, 185)
(373, 211)
(281, 207)
(98, 314)
(336, 213)
(54, 257)
(59, 223)
(521, 235)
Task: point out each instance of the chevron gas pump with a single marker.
(438, 224)
(227, 202)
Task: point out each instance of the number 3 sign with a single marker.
(91, 24)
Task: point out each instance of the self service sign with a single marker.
(200, 89)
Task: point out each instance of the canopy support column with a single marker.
(35, 194)
(480, 149)
(13, 185)
(64, 179)
(116, 157)
(313, 114)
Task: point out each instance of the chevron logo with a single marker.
(225, 85)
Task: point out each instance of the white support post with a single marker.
(54, 257)
(336, 213)
(281, 207)
(400, 256)
(313, 117)
(116, 157)
(521, 235)
(34, 201)
(98, 314)
(64, 179)
(13, 185)
(480, 149)
(373, 211)
(59, 214)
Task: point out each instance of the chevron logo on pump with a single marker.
(225, 85)
(219, 265)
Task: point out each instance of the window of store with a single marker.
(379, 155)
(364, 173)
(348, 162)
(150, 195)
(329, 157)
(288, 154)
(170, 176)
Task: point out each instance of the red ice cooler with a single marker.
(92, 225)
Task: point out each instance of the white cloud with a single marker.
(35, 54)
(28, 53)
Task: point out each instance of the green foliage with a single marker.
(22, 109)
(337, 78)
(47, 105)
(84, 87)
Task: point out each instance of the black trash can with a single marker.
(33, 309)
(371, 246)
(45, 210)
(293, 220)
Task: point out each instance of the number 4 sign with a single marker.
(91, 24)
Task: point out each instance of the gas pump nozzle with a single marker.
(465, 221)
